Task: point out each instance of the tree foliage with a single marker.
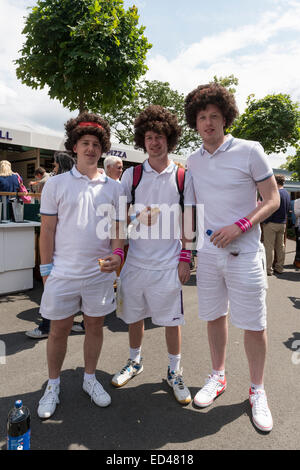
(90, 53)
(293, 164)
(153, 92)
(273, 121)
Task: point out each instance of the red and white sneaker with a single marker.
(261, 413)
(213, 387)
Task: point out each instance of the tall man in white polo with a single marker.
(226, 174)
(74, 209)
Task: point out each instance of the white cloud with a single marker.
(269, 67)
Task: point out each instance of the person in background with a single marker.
(9, 182)
(113, 167)
(296, 223)
(41, 177)
(274, 228)
(8, 179)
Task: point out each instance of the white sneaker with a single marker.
(181, 392)
(213, 387)
(48, 402)
(131, 369)
(97, 393)
(36, 333)
(261, 413)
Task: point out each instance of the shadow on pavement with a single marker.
(142, 418)
(293, 343)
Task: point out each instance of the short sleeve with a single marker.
(259, 166)
(49, 205)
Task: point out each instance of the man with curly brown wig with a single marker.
(156, 265)
(226, 173)
(73, 238)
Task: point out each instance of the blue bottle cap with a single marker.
(209, 232)
(18, 403)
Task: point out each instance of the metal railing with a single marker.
(5, 195)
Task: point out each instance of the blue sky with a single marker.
(193, 40)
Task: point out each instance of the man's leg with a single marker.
(256, 350)
(93, 342)
(134, 365)
(217, 331)
(269, 244)
(136, 334)
(56, 351)
(280, 248)
(57, 345)
(92, 349)
(174, 378)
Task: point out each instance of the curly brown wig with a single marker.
(157, 119)
(76, 128)
(211, 93)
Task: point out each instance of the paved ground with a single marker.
(144, 414)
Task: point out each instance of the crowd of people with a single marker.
(231, 269)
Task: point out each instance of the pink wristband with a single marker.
(244, 224)
(119, 252)
(185, 255)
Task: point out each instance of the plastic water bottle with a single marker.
(18, 427)
(233, 247)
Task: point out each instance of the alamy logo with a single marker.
(2, 352)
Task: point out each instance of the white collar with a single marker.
(223, 147)
(101, 178)
(149, 169)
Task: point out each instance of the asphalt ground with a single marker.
(144, 414)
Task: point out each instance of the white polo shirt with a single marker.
(225, 184)
(84, 208)
(156, 247)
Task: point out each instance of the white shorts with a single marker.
(236, 281)
(63, 298)
(148, 293)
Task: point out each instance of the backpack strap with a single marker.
(137, 176)
(180, 177)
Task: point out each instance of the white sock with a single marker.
(257, 387)
(174, 361)
(219, 373)
(88, 376)
(54, 381)
(135, 354)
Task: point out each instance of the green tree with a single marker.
(293, 164)
(153, 92)
(227, 82)
(90, 53)
(272, 120)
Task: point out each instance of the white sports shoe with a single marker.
(261, 413)
(97, 393)
(131, 369)
(181, 392)
(213, 387)
(48, 402)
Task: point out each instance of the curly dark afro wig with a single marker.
(76, 128)
(158, 119)
(212, 93)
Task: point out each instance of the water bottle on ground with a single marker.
(18, 427)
